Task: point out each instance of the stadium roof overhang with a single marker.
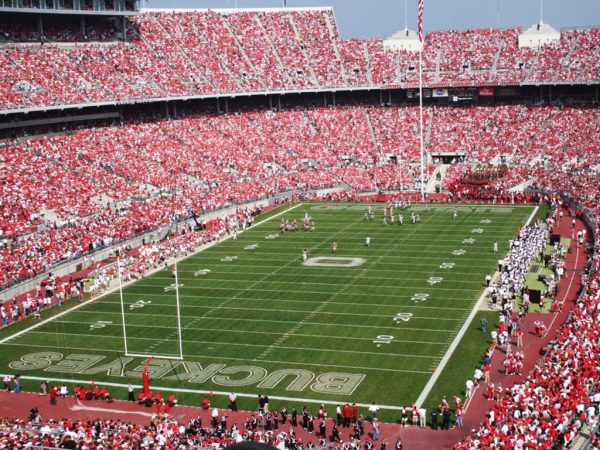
(68, 12)
(238, 10)
(5, 112)
(232, 95)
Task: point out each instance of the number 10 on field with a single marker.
(383, 339)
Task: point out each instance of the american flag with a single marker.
(421, 20)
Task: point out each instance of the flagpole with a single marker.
(122, 304)
(421, 124)
(422, 147)
(178, 312)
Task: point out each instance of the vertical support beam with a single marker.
(324, 98)
(167, 109)
(333, 97)
(380, 97)
(270, 102)
(40, 26)
(82, 26)
(124, 28)
(218, 105)
(226, 106)
(390, 97)
(279, 102)
(174, 109)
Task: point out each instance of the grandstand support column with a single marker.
(167, 110)
(218, 105)
(380, 96)
(175, 109)
(333, 98)
(279, 102)
(226, 106)
(82, 26)
(40, 25)
(324, 98)
(390, 97)
(271, 102)
(124, 28)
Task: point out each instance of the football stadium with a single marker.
(233, 225)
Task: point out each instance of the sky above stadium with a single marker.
(380, 18)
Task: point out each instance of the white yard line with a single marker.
(76, 307)
(293, 311)
(228, 330)
(303, 301)
(204, 288)
(232, 344)
(440, 368)
(292, 321)
(317, 284)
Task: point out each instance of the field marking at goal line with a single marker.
(202, 391)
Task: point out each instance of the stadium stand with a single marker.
(149, 173)
(171, 54)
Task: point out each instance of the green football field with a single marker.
(366, 324)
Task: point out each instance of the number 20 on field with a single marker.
(383, 339)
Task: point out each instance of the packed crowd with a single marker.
(550, 406)
(67, 196)
(347, 430)
(206, 52)
(163, 432)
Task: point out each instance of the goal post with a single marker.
(143, 354)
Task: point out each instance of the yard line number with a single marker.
(140, 304)
(100, 324)
(383, 339)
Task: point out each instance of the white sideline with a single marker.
(110, 291)
(201, 391)
(439, 369)
(568, 288)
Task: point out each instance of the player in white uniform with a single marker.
(455, 214)
(368, 241)
(304, 254)
(400, 219)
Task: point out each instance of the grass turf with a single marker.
(385, 324)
